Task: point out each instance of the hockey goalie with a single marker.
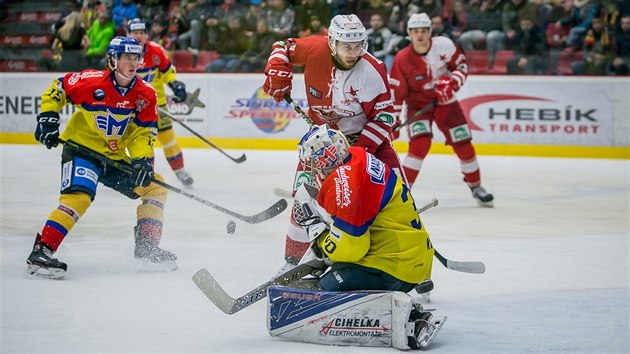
(369, 249)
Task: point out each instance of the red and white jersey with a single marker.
(413, 76)
(354, 101)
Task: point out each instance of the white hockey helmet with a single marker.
(322, 150)
(419, 21)
(346, 28)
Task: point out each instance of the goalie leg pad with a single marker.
(360, 318)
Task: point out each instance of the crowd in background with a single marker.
(537, 32)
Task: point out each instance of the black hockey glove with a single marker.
(179, 90)
(47, 131)
(143, 172)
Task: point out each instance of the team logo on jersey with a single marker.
(376, 169)
(315, 92)
(74, 78)
(331, 115)
(385, 118)
(342, 187)
(111, 126)
(141, 103)
(353, 91)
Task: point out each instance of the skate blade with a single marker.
(144, 265)
(435, 326)
(36, 272)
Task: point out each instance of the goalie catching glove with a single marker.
(279, 81)
(315, 220)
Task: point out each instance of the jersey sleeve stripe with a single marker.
(166, 68)
(390, 185)
(149, 124)
(350, 229)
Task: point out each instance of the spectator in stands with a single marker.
(562, 17)
(511, 13)
(159, 35)
(597, 50)
(280, 17)
(71, 6)
(233, 43)
(378, 38)
(431, 7)
(218, 22)
(122, 13)
(89, 12)
(305, 12)
(177, 24)
(528, 45)
(621, 62)
(196, 15)
(149, 10)
(484, 21)
(439, 28)
(397, 21)
(100, 33)
(315, 28)
(71, 38)
(587, 11)
(458, 19)
(260, 45)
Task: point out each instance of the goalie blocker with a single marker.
(360, 318)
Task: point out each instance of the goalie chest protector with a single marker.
(361, 318)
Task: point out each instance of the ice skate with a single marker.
(151, 257)
(185, 178)
(424, 326)
(41, 264)
(483, 198)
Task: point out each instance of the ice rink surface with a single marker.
(555, 246)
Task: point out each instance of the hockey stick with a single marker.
(299, 110)
(417, 114)
(237, 160)
(230, 305)
(466, 267)
(264, 215)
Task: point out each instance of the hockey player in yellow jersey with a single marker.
(366, 222)
(116, 114)
(158, 70)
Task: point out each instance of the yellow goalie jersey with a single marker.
(375, 223)
(109, 119)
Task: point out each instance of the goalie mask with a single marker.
(346, 28)
(322, 150)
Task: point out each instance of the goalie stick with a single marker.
(211, 288)
(230, 305)
(277, 208)
(237, 159)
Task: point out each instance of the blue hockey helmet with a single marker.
(322, 150)
(122, 45)
(136, 24)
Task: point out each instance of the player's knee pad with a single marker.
(167, 138)
(153, 191)
(79, 174)
(374, 318)
(420, 128)
(458, 135)
(77, 203)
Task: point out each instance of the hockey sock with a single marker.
(418, 150)
(150, 213)
(468, 162)
(62, 220)
(172, 149)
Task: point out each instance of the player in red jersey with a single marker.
(116, 112)
(158, 70)
(346, 88)
(433, 69)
